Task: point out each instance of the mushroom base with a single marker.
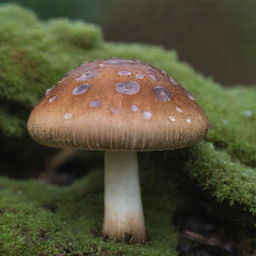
(123, 219)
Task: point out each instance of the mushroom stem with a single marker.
(124, 219)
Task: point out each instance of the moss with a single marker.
(34, 55)
(51, 220)
(227, 180)
(74, 33)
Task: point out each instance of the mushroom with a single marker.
(122, 107)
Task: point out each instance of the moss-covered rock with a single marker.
(34, 55)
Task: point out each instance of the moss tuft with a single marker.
(76, 33)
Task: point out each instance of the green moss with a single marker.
(74, 228)
(226, 179)
(34, 55)
(75, 33)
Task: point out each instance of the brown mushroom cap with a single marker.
(118, 104)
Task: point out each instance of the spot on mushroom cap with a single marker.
(129, 87)
(118, 104)
(80, 89)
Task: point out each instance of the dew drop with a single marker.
(129, 87)
(52, 99)
(172, 118)
(80, 89)
(178, 109)
(147, 115)
(87, 76)
(162, 93)
(67, 116)
(173, 81)
(139, 76)
(153, 77)
(134, 108)
(94, 103)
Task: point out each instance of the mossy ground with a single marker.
(49, 220)
(34, 55)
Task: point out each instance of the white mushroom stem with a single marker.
(124, 219)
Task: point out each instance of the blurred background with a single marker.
(216, 37)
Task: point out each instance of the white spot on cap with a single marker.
(134, 108)
(101, 65)
(67, 116)
(139, 76)
(94, 103)
(124, 73)
(80, 89)
(47, 91)
(153, 77)
(147, 115)
(129, 87)
(191, 96)
(178, 109)
(87, 76)
(172, 118)
(188, 120)
(52, 99)
(173, 81)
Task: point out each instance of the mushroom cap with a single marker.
(118, 104)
